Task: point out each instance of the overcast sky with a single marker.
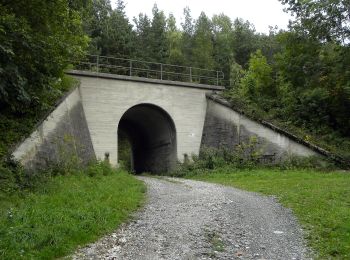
(261, 13)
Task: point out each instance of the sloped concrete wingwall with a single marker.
(225, 127)
(63, 135)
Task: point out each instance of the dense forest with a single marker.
(298, 79)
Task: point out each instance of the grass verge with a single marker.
(321, 201)
(65, 212)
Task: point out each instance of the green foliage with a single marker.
(236, 75)
(245, 41)
(158, 35)
(143, 35)
(151, 36)
(110, 30)
(37, 40)
(258, 81)
(11, 176)
(174, 39)
(244, 155)
(313, 79)
(320, 200)
(223, 41)
(304, 91)
(13, 128)
(203, 49)
(325, 20)
(187, 36)
(124, 152)
(65, 212)
(99, 168)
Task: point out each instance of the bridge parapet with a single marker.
(101, 75)
(150, 70)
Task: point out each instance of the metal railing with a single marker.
(152, 70)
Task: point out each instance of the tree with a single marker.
(97, 24)
(119, 38)
(174, 39)
(143, 37)
(223, 40)
(244, 41)
(325, 20)
(313, 81)
(159, 46)
(236, 75)
(151, 36)
(110, 30)
(187, 36)
(203, 48)
(38, 39)
(269, 44)
(258, 81)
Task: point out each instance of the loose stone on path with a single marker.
(185, 219)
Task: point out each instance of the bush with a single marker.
(246, 155)
(99, 168)
(243, 155)
(312, 162)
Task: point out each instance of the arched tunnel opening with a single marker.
(147, 140)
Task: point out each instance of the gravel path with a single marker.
(185, 219)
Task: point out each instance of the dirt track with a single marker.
(186, 219)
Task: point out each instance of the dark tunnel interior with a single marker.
(147, 140)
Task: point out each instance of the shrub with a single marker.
(99, 168)
(246, 155)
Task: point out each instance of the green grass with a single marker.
(65, 212)
(215, 241)
(321, 201)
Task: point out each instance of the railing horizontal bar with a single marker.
(155, 63)
(124, 66)
(149, 70)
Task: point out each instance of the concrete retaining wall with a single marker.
(62, 135)
(225, 127)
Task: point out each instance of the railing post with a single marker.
(97, 62)
(130, 68)
(161, 71)
(217, 78)
(190, 74)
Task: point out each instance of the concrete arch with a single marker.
(152, 135)
(105, 100)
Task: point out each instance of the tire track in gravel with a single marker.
(186, 219)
